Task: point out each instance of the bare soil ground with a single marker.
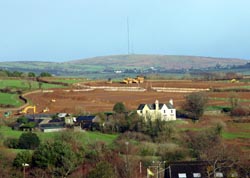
(99, 100)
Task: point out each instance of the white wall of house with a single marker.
(168, 114)
(164, 113)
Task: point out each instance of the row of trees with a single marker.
(222, 76)
(7, 73)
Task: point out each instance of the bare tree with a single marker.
(195, 105)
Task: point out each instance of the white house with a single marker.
(158, 110)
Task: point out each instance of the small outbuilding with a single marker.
(87, 122)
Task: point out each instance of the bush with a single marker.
(147, 149)
(226, 109)
(195, 105)
(102, 170)
(119, 108)
(28, 140)
(11, 143)
(171, 152)
(22, 157)
(135, 136)
(22, 120)
(240, 111)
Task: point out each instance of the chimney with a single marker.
(156, 105)
(171, 102)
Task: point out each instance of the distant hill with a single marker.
(165, 61)
(99, 65)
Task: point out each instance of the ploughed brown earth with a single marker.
(99, 100)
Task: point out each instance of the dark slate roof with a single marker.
(38, 116)
(152, 106)
(55, 120)
(188, 168)
(170, 106)
(84, 118)
(141, 106)
(52, 125)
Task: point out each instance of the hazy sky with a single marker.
(61, 30)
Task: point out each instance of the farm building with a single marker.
(87, 122)
(158, 110)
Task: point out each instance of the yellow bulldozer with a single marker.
(25, 110)
(127, 80)
(140, 79)
(46, 109)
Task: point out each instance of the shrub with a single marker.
(11, 143)
(22, 120)
(102, 170)
(171, 152)
(28, 140)
(135, 135)
(195, 105)
(119, 108)
(147, 149)
(240, 111)
(226, 109)
(21, 158)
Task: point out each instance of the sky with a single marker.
(63, 30)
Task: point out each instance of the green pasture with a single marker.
(227, 99)
(25, 84)
(11, 99)
(235, 135)
(215, 108)
(84, 137)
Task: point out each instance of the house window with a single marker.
(164, 111)
(171, 111)
(196, 175)
(141, 111)
(218, 174)
(182, 175)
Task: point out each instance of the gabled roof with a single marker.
(153, 106)
(141, 106)
(186, 167)
(62, 115)
(170, 106)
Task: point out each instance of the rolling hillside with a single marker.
(165, 61)
(119, 62)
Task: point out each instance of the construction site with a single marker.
(100, 96)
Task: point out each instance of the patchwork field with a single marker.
(98, 99)
(92, 97)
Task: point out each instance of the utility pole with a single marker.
(127, 165)
(24, 166)
(128, 36)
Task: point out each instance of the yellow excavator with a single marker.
(46, 109)
(140, 79)
(24, 110)
(128, 80)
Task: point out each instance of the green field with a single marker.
(84, 137)
(24, 84)
(15, 84)
(11, 99)
(232, 135)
